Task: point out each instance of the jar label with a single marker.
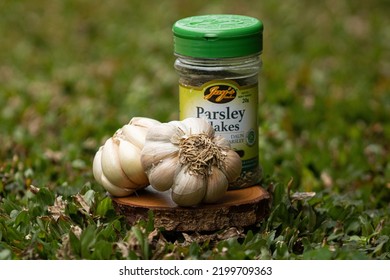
(232, 111)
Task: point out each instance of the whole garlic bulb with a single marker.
(117, 164)
(188, 158)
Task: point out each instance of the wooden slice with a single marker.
(238, 208)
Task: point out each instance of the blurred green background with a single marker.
(72, 72)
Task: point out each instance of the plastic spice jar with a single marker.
(218, 62)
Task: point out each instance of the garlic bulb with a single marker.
(186, 157)
(117, 164)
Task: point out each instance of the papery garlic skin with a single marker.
(102, 180)
(187, 157)
(188, 189)
(135, 131)
(97, 166)
(162, 178)
(111, 165)
(231, 161)
(217, 185)
(130, 161)
(117, 164)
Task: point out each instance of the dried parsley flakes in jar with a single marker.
(218, 62)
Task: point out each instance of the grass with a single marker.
(72, 72)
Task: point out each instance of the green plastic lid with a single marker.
(218, 36)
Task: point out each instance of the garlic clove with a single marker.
(135, 131)
(188, 189)
(114, 190)
(154, 152)
(111, 166)
(134, 134)
(166, 132)
(162, 174)
(233, 165)
(130, 161)
(217, 185)
(97, 166)
(162, 132)
(143, 122)
(198, 126)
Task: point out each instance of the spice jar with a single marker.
(218, 62)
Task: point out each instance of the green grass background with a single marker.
(72, 72)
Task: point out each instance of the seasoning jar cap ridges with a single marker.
(218, 36)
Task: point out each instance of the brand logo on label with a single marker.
(220, 93)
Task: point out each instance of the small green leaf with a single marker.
(22, 218)
(45, 196)
(194, 250)
(104, 206)
(5, 254)
(380, 243)
(87, 240)
(281, 251)
(9, 206)
(142, 240)
(150, 222)
(318, 254)
(367, 228)
(137, 233)
(102, 250)
(89, 197)
(74, 242)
